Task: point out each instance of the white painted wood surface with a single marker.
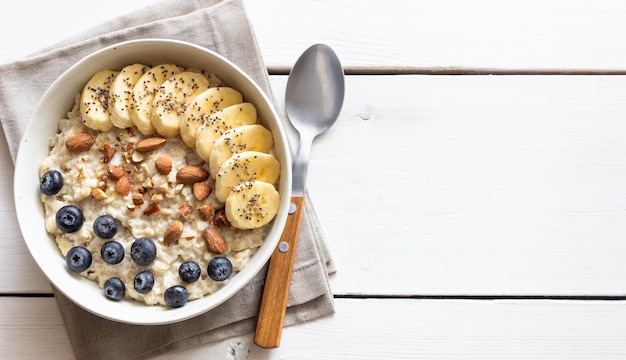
(532, 35)
(484, 186)
(403, 329)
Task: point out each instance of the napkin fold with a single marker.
(222, 26)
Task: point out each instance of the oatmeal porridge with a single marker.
(162, 192)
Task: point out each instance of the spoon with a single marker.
(313, 100)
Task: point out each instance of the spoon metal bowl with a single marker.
(313, 100)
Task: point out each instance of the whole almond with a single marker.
(122, 186)
(115, 172)
(191, 174)
(79, 143)
(149, 144)
(163, 164)
(215, 242)
(109, 151)
(201, 190)
(172, 233)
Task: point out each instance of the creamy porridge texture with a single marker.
(131, 200)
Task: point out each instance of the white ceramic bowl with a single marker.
(55, 104)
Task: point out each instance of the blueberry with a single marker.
(220, 268)
(69, 218)
(176, 296)
(114, 288)
(189, 271)
(144, 281)
(105, 226)
(78, 259)
(143, 251)
(51, 182)
(112, 252)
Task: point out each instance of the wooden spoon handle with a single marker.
(274, 302)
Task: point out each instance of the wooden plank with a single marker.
(443, 35)
(404, 329)
(21, 23)
(470, 185)
(32, 328)
(399, 35)
(22, 273)
(475, 185)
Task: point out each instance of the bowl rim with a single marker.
(143, 314)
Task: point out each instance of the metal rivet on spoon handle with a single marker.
(313, 100)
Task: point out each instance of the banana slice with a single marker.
(219, 122)
(121, 93)
(245, 166)
(252, 204)
(172, 99)
(94, 100)
(205, 104)
(143, 94)
(242, 138)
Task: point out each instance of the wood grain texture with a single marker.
(26, 277)
(473, 185)
(399, 35)
(380, 329)
(276, 290)
(456, 34)
(428, 185)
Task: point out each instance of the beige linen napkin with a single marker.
(220, 25)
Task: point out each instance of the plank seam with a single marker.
(487, 297)
(351, 70)
(422, 297)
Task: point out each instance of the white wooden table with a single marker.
(476, 216)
